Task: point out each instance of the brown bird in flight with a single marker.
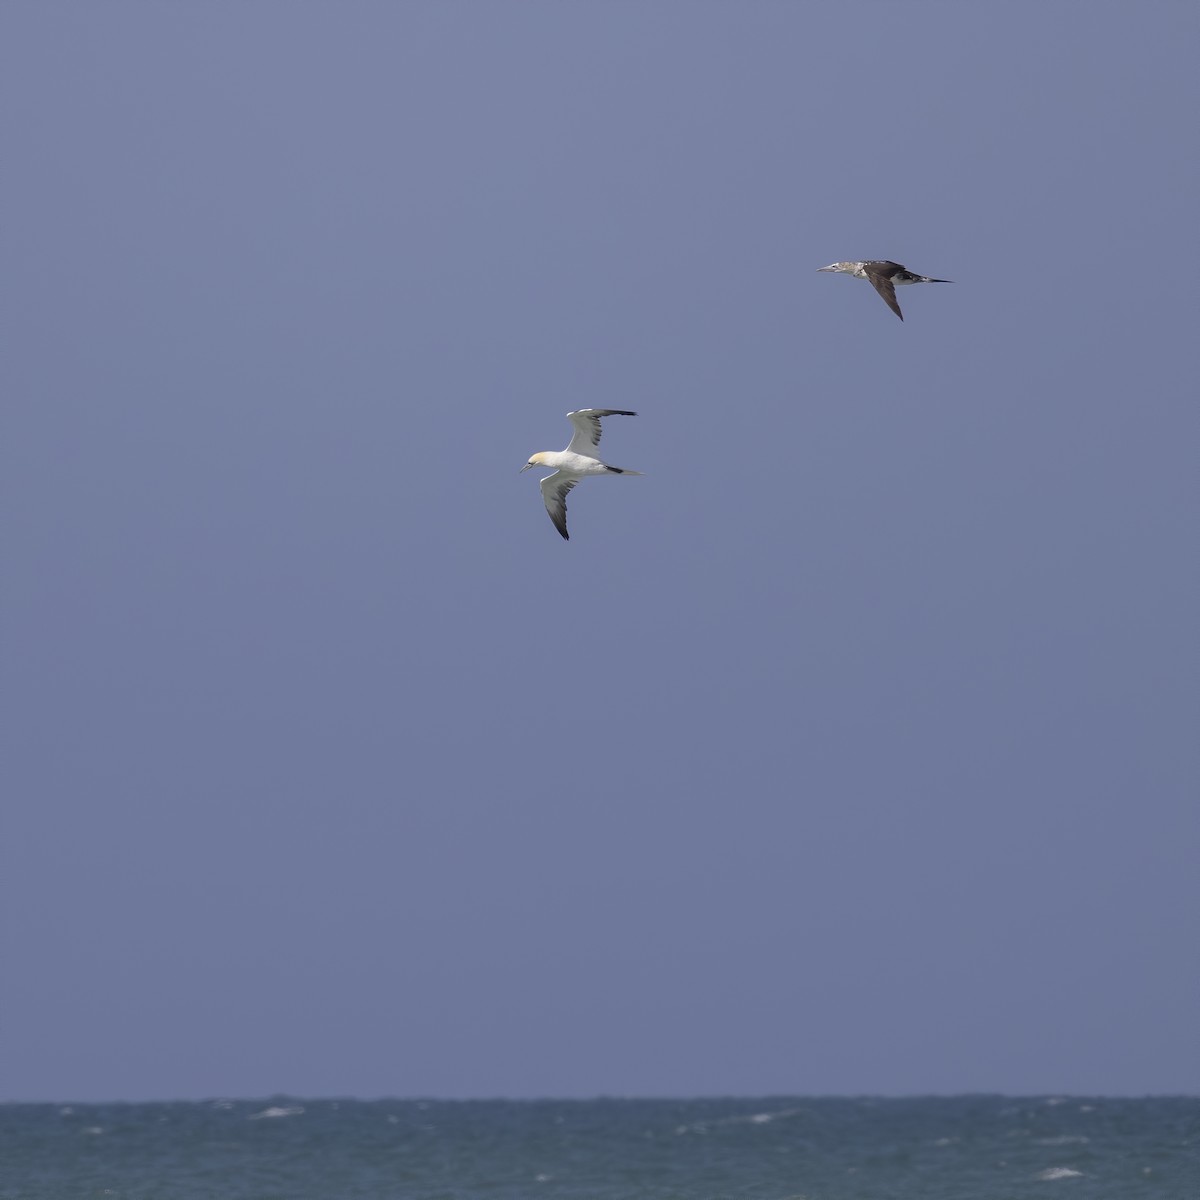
(884, 277)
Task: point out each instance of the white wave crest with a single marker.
(1059, 1173)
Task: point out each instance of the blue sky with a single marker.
(853, 749)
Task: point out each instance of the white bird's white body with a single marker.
(575, 462)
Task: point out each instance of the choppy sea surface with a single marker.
(961, 1148)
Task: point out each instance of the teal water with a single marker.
(963, 1148)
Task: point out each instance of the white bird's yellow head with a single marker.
(535, 460)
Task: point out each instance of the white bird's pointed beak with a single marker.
(524, 468)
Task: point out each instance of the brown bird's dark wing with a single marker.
(880, 275)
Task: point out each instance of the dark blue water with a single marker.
(964, 1148)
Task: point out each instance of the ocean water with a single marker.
(962, 1148)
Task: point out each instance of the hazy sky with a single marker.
(853, 749)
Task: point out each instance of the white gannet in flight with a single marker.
(884, 277)
(576, 461)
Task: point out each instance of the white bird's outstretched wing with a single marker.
(587, 430)
(554, 491)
